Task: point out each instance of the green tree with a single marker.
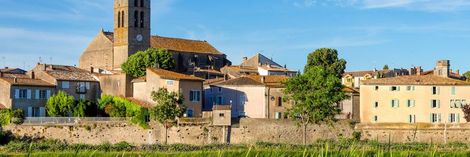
(137, 64)
(467, 75)
(60, 105)
(385, 67)
(316, 92)
(169, 107)
(84, 108)
(327, 58)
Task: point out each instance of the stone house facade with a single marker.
(189, 86)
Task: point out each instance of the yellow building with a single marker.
(435, 98)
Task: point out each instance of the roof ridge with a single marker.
(179, 38)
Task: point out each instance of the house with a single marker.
(8, 70)
(257, 65)
(189, 86)
(250, 96)
(431, 98)
(79, 83)
(26, 93)
(353, 79)
(350, 107)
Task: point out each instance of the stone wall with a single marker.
(245, 132)
(422, 132)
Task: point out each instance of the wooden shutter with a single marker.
(37, 94)
(28, 94)
(17, 93)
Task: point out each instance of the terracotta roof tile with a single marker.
(63, 72)
(350, 90)
(183, 45)
(256, 80)
(212, 81)
(174, 75)
(415, 80)
(26, 82)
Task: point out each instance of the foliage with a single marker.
(60, 105)
(17, 116)
(84, 108)
(5, 117)
(13, 116)
(385, 67)
(317, 91)
(327, 58)
(169, 107)
(121, 107)
(357, 135)
(137, 64)
(467, 75)
(466, 112)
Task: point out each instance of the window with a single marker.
(376, 88)
(122, 19)
(435, 104)
(221, 115)
(136, 3)
(81, 87)
(375, 118)
(453, 90)
(395, 103)
(220, 89)
(435, 90)
(119, 20)
(142, 4)
(23, 93)
(189, 113)
(136, 18)
(411, 118)
(220, 100)
(410, 88)
(395, 88)
(42, 94)
(279, 101)
(195, 96)
(142, 15)
(454, 103)
(82, 96)
(376, 104)
(169, 82)
(65, 84)
(410, 103)
(435, 118)
(453, 118)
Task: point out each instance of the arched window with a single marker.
(136, 18)
(135, 3)
(142, 3)
(142, 19)
(119, 19)
(122, 19)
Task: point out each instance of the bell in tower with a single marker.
(131, 29)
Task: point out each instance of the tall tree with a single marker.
(385, 67)
(327, 58)
(60, 105)
(317, 91)
(467, 75)
(169, 107)
(137, 64)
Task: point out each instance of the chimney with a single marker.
(245, 58)
(32, 76)
(263, 79)
(442, 68)
(15, 80)
(225, 77)
(92, 69)
(457, 71)
(419, 70)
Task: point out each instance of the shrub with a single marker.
(121, 107)
(357, 135)
(5, 117)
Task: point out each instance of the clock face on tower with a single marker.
(139, 37)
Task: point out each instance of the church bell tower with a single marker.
(131, 29)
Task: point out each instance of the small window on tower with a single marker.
(119, 19)
(135, 3)
(141, 3)
(122, 19)
(141, 19)
(136, 18)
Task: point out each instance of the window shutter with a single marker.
(37, 94)
(458, 117)
(191, 96)
(438, 90)
(28, 94)
(30, 111)
(414, 103)
(431, 103)
(42, 112)
(430, 117)
(48, 94)
(398, 88)
(87, 85)
(391, 103)
(398, 103)
(450, 117)
(17, 93)
(438, 103)
(390, 88)
(439, 117)
(413, 88)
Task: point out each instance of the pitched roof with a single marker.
(141, 103)
(255, 80)
(415, 80)
(183, 45)
(174, 75)
(350, 90)
(26, 82)
(214, 80)
(363, 73)
(452, 74)
(71, 73)
(258, 59)
(177, 44)
(12, 70)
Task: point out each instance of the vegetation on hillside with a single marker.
(317, 91)
(137, 64)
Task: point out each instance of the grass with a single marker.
(344, 147)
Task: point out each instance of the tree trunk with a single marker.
(166, 135)
(305, 134)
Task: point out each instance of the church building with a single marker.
(109, 50)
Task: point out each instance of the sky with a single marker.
(367, 33)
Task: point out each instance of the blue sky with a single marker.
(367, 33)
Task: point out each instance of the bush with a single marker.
(5, 117)
(121, 107)
(357, 135)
